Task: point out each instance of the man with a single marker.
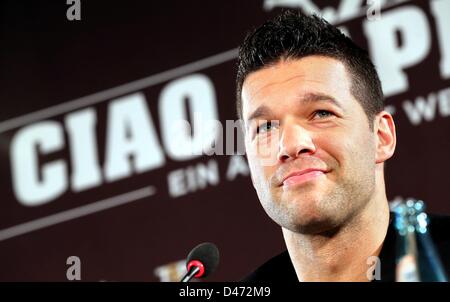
(317, 139)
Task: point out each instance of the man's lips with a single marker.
(301, 176)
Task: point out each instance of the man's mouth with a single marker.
(302, 176)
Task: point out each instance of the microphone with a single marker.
(201, 261)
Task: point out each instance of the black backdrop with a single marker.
(71, 90)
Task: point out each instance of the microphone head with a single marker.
(206, 253)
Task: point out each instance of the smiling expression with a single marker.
(309, 145)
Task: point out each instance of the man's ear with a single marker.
(386, 138)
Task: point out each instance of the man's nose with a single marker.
(295, 140)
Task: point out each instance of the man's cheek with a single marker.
(266, 151)
(256, 170)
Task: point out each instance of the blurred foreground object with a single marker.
(417, 258)
(201, 261)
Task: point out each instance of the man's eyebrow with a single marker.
(265, 111)
(316, 97)
(262, 110)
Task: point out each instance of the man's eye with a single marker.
(323, 114)
(265, 127)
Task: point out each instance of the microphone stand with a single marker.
(190, 274)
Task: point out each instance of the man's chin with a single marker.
(307, 213)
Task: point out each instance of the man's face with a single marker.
(319, 135)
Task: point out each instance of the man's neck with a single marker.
(342, 256)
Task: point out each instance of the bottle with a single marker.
(417, 258)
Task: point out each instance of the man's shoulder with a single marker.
(277, 269)
(280, 268)
(439, 227)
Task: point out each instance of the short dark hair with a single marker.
(294, 35)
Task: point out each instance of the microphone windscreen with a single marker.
(208, 254)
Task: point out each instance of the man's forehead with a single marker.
(309, 78)
(259, 84)
(314, 68)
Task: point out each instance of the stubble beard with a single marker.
(307, 211)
